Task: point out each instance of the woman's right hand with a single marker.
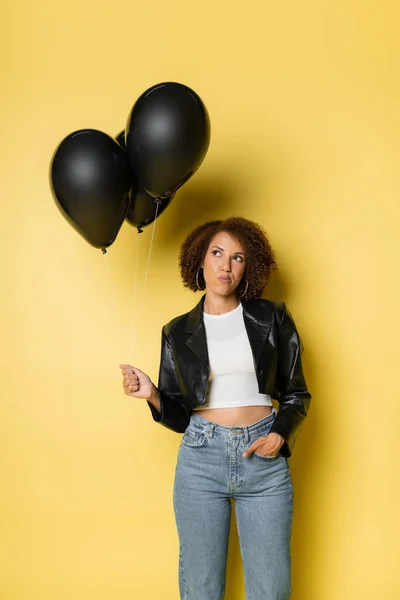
(136, 383)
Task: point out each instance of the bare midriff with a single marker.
(235, 417)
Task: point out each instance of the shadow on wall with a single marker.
(205, 200)
(197, 202)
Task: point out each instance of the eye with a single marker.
(219, 252)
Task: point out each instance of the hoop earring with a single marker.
(245, 291)
(197, 280)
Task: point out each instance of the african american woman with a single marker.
(221, 365)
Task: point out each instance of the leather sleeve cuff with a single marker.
(174, 415)
(287, 423)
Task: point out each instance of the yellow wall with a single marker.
(304, 104)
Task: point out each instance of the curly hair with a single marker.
(260, 258)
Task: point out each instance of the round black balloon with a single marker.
(143, 208)
(135, 185)
(90, 181)
(167, 137)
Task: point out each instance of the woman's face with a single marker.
(224, 264)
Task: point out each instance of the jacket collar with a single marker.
(257, 318)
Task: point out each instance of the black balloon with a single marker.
(143, 208)
(167, 137)
(90, 181)
(120, 138)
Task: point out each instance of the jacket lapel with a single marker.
(257, 319)
(197, 341)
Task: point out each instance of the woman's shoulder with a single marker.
(267, 302)
(257, 304)
(177, 324)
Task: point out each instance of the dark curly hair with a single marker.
(260, 259)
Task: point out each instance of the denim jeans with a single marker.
(210, 473)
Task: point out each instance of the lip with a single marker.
(225, 279)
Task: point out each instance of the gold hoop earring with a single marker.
(245, 291)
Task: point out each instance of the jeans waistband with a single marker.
(209, 427)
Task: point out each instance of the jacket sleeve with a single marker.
(174, 414)
(293, 396)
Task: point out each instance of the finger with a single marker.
(137, 371)
(132, 392)
(127, 369)
(131, 384)
(254, 446)
(130, 377)
(247, 453)
(131, 389)
(128, 382)
(265, 449)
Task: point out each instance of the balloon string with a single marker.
(148, 258)
(135, 282)
(134, 300)
(112, 285)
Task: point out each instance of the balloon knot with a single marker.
(139, 230)
(104, 251)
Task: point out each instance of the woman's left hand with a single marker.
(267, 446)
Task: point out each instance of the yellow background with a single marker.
(304, 105)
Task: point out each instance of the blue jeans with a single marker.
(211, 471)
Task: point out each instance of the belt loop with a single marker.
(211, 430)
(246, 435)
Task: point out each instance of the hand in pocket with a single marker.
(268, 445)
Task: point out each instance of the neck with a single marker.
(218, 305)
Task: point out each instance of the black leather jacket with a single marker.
(276, 347)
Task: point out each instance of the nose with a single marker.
(226, 266)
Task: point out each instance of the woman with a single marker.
(221, 364)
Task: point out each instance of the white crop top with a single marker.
(232, 381)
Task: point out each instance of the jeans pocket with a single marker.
(263, 433)
(267, 457)
(193, 439)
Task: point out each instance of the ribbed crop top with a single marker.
(232, 381)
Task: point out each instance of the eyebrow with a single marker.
(219, 247)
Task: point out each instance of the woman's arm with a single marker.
(294, 398)
(154, 400)
(171, 412)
